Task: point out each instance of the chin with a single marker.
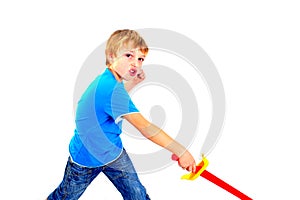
(128, 78)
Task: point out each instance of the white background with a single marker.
(254, 45)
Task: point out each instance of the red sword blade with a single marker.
(212, 178)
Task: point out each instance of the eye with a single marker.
(128, 55)
(141, 59)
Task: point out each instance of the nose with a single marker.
(136, 63)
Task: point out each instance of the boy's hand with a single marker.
(186, 161)
(139, 78)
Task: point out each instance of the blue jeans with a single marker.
(120, 172)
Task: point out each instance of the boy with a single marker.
(96, 145)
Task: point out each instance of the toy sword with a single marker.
(201, 171)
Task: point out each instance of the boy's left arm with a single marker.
(136, 80)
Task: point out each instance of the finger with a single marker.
(142, 76)
(190, 168)
(141, 73)
(182, 166)
(194, 168)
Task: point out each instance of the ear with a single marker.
(111, 57)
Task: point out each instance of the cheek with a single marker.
(122, 67)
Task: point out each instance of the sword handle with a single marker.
(174, 157)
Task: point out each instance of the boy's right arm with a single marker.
(159, 137)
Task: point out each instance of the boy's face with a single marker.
(127, 63)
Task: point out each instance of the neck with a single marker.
(116, 75)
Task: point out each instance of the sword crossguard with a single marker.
(199, 168)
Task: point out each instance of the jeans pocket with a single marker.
(78, 177)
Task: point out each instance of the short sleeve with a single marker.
(120, 103)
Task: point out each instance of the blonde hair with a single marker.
(122, 38)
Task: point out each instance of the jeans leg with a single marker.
(122, 174)
(76, 180)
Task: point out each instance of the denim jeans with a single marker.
(120, 172)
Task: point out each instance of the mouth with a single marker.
(132, 72)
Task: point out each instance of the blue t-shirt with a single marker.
(99, 112)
